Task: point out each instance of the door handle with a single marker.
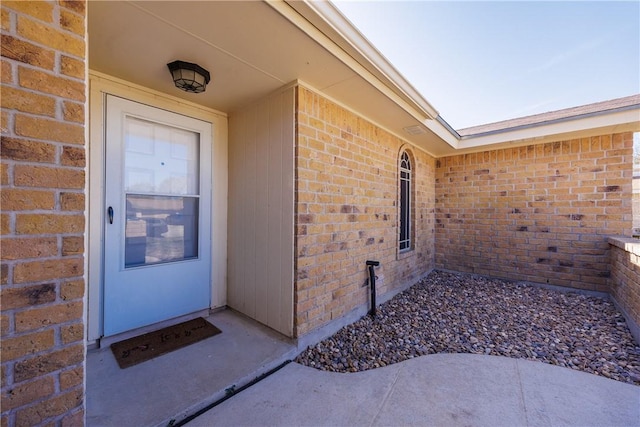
(110, 213)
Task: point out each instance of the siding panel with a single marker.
(261, 211)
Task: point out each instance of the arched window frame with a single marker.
(405, 201)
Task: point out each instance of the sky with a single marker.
(479, 62)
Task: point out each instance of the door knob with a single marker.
(110, 213)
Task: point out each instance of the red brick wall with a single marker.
(539, 213)
(42, 222)
(346, 212)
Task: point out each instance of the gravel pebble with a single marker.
(460, 313)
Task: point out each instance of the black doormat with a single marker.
(145, 347)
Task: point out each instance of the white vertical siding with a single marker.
(261, 204)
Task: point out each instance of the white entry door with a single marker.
(158, 216)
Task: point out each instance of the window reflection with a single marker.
(160, 229)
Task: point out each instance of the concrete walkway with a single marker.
(435, 390)
(177, 384)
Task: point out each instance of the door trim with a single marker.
(100, 85)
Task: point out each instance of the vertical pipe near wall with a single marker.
(372, 283)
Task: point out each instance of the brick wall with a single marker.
(625, 279)
(42, 222)
(346, 212)
(539, 213)
(636, 206)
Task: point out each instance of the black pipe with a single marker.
(372, 282)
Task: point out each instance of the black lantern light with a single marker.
(189, 77)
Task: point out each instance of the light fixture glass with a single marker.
(189, 77)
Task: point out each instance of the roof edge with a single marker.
(325, 24)
(367, 51)
(621, 120)
(553, 117)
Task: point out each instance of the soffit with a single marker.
(250, 48)
(253, 48)
(247, 47)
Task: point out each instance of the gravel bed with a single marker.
(461, 313)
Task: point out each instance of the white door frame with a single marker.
(100, 85)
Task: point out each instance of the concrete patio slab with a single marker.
(178, 384)
(444, 390)
(435, 390)
(568, 397)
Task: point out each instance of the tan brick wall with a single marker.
(636, 184)
(625, 280)
(538, 213)
(636, 206)
(346, 212)
(43, 181)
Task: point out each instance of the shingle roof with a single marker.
(628, 102)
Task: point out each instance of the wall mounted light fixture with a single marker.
(189, 77)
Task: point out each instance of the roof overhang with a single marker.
(615, 116)
(253, 48)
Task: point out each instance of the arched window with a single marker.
(405, 202)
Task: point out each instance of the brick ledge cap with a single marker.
(626, 243)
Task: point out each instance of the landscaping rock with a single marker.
(462, 313)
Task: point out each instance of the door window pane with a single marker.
(160, 229)
(160, 159)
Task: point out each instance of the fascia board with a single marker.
(368, 52)
(303, 23)
(536, 132)
(321, 21)
(445, 133)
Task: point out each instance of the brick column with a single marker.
(43, 202)
(625, 279)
